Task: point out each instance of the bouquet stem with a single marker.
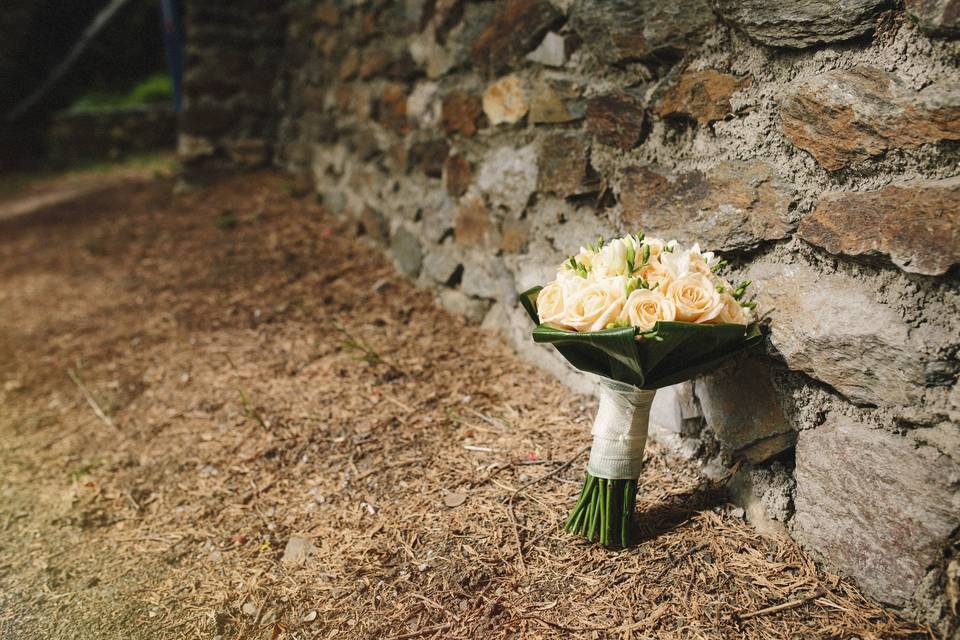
(604, 511)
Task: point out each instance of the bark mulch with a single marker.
(222, 415)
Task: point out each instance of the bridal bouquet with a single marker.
(641, 313)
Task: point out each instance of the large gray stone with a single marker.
(741, 408)
(441, 265)
(801, 23)
(617, 31)
(828, 326)
(939, 17)
(874, 505)
(508, 176)
(407, 252)
(675, 411)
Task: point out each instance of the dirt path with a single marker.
(191, 448)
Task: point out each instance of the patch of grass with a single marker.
(226, 221)
(95, 246)
(155, 89)
(85, 469)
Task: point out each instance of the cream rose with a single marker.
(643, 308)
(550, 303)
(594, 306)
(731, 311)
(655, 273)
(695, 297)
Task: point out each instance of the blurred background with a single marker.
(86, 80)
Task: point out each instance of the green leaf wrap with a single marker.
(670, 353)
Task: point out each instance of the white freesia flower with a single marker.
(675, 264)
(695, 297)
(643, 308)
(613, 257)
(595, 305)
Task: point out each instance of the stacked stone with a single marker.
(110, 133)
(814, 143)
(233, 55)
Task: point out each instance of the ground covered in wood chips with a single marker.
(222, 415)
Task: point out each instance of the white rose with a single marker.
(643, 308)
(550, 303)
(595, 305)
(571, 281)
(695, 297)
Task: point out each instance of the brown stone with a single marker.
(248, 153)
(555, 101)
(430, 156)
(703, 96)
(845, 116)
(513, 31)
(207, 119)
(350, 64)
(461, 113)
(617, 31)
(563, 164)
(327, 13)
(392, 112)
(375, 61)
(505, 101)
(353, 98)
(735, 205)
(916, 224)
(456, 175)
(616, 119)
(472, 225)
(939, 17)
(514, 235)
(314, 98)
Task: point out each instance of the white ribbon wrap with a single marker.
(620, 431)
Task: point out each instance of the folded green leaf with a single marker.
(671, 352)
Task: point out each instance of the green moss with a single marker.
(156, 89)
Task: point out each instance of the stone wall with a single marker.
(110, 133)
(234, 51)
(816, 144)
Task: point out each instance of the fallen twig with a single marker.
(512, 513)
(550, 474)
(557, 625)
(100, 413)
(422, 632)
(392, 465)
(782, 607)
